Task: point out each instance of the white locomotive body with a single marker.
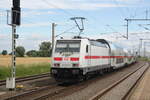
(77, 58)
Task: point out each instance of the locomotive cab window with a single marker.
(67, 46)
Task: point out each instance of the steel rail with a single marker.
(28, 93)
(53, 95)
(50, 94)
(106, 90)
(27, 78)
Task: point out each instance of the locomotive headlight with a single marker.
(54, 71)
(56, 65)
(75, 65)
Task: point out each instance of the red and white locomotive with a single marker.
(79, 57)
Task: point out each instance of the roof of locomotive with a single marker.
(112, 45)
(98, 40)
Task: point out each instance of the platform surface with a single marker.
(142, 91)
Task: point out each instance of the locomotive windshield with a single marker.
(67, 46)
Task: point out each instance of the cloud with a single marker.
(127, 0)
(37, 36)
(130, 44)
(39, 24)
(32, 40)
(57, 4)
(4, 37)
(5, 4)
(5, 42)
(29, 41)
(89, 6)
(38, 8)
(35, 13)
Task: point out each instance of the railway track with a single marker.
(112, 91)
(54, 91)
(27, 78)
(45, 92)
(31, 94)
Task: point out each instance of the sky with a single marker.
(104, 19)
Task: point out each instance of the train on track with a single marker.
(78, 58)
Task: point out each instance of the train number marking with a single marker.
(66, 59)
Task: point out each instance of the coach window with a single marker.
(86, 48)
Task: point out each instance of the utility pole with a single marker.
(53, 34)
(140, 45)
(146, 14)
(127, 29)
(144, 48)
(126, 19)
(145, 44)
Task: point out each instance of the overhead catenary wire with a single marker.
(63, 10)
(24, 20)
(34, 14)
(126, 6)
(66, 12)
(55, 6)
(115, 30)
(66, 31)
(135, 12)
(140, 25)
(120, 9)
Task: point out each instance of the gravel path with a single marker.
(142, 90)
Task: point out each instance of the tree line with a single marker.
(45, 50)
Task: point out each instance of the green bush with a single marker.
(20, 51)
(4, 52)
(32, 53)
(143, 59)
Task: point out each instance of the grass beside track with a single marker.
(144, 59)
(25, 70)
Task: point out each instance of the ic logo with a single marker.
(67, 54)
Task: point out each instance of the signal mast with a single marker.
(15, 21)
